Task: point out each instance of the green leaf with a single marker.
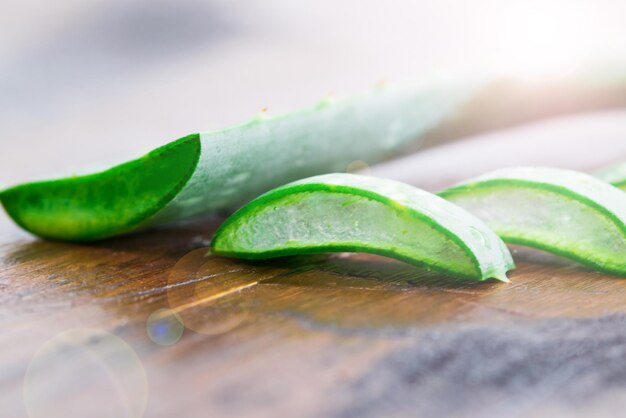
(210, 172)
(350, 213)
(615, 174)
(563, 212)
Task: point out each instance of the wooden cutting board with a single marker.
(332, 336)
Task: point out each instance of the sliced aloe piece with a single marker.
(563, 212)
(208, 172)
(616, 175)
(351, 213)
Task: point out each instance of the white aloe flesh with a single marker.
(350, 213)
(565, 212)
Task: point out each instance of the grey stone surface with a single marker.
(513, 370)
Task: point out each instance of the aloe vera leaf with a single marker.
(209, 172)
(352, 213)
(564, 212)
(615, 174)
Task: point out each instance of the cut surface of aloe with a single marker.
(351, 213)
(616, 175)
(565, 212)
(220, 170)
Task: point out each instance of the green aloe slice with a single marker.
(220, 170)
(351, 213)
(615, 174)
(563, 212)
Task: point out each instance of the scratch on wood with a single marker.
(215, 297)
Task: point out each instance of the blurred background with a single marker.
(88, 82)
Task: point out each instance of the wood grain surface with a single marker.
(93, 330)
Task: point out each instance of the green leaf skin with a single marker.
(351, 213)
(616, 175)
(216, 171)
(563, 212)
(107, 203)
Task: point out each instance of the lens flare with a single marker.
(358, 166)
(207, 292)
(96, 374)
(165, 327)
